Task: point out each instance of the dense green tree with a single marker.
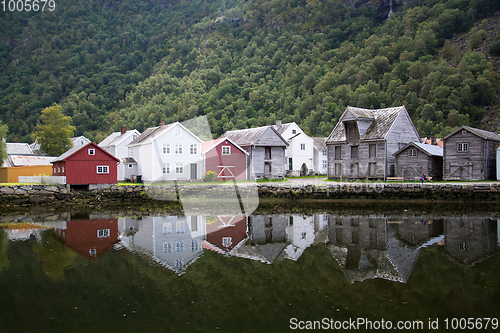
(54, 131)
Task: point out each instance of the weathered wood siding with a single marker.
(356, 167)
(270, 138)
(475, 164)
(410, 167)
(277, 160)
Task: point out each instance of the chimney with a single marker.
(278, 123)
(162, 122)
(433, 140)
(123, 129)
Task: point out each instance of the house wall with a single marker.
(236, 163)
(348, 164)
(318, 161)
(11, 174)
(125, 171)
(144, 156)
(298, 156)
(277, 161)
(470, 165)
(411, 167)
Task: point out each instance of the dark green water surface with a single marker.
(280, 269)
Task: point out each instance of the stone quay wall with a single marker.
(61, 195)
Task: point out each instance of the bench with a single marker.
(394, 179)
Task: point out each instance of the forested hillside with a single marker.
(247, 63)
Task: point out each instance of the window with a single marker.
(93, 252)
(354, 151)
(462, 147)
(134, 136)
(167, 247)
(179, 168)
(464, 132)
(167, 228)
(166, 168)
(351, 130)
(62, 169)
(304, 235)
(227, 241)
(372, 151)
(130, 165)
(55, 170)
(58, 170)
(412, 153)
(294, 131)
(193, 149)
(102, 169)
(179, 227)
(195, 246)
(166, 148)
(325, 152)
(91, 151)
(177, 131)
(464, 246)
(338, 153)
(178, 149)
(194, 223)
(179, 246)
(325, 164)
(302, 146)
(267, 152)
(226, 150)
(103, 233)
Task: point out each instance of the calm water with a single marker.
(279, 270)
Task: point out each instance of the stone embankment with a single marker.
(12, 196)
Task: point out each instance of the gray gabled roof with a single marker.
(430, 150)
(481, 133)
(382, 121)
(18, 149)
(250, 136)
(114, 138)
(150, 133)
(319, 143)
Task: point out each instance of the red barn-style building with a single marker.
(225, 158)
(84, 165)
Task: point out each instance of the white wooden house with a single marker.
(116, 144)
(299, 153)
(167, 152)
(363, 142)
(320, 156)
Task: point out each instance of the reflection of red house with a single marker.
(88, 164)
(225, 158)
(89, 238)
(227, 232)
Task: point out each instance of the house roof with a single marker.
(430, 150)
(74, 150)
(283, 127)
(382, 121)
(81, 137)
(18, 149)
(439, 141)
(209, 145)
(250, 136)
(319, 143)
(151, 133)
(116, 137)
(128, 160)
(481, 133)
(24, 160)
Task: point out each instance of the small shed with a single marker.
(415, 158)
(225, 158)
(84, 165)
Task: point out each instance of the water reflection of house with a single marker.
(300, 234)
(366, 249)
(89, 238)
(226, 233)
(416, 230)
(173, 241)
(470, 239)
(267, 238)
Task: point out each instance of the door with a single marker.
(267, 169)
(290, 164)
(193, 171)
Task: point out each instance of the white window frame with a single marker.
(294, 131)
(302, 146)
(104, 169)
(325, 153)
(412, 153)
(166, 148)
(226, 150)
(193, 149)
(166, 168)
(91, 151)
(462, 147)
(103, 233)
(177, 132)
(325, 164)
(179, 168)
(178, 149)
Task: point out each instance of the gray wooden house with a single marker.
(363, 142)
(415, 158)
(266, 148)
(469, 154)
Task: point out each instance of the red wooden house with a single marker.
(225, 158)
(227, 233)
(89, 238)
(84, 165)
